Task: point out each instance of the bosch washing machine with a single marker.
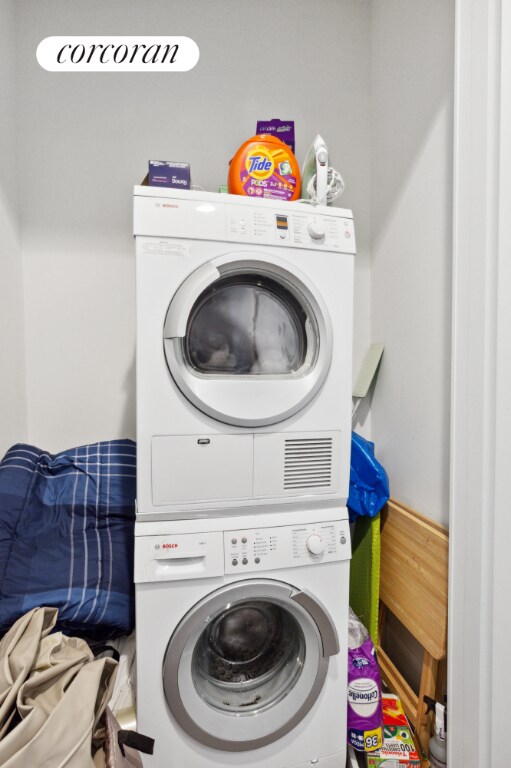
(244, 343)
(242, 640)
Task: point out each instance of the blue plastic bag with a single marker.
(369, 484)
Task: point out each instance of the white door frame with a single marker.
(480, 519)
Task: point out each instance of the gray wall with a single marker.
(375, 79)
(411, 254)
(412, 66)
(13, 419)
(85, 140)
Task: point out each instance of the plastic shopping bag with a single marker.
(369, 484)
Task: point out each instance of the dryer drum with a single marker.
(248, 324)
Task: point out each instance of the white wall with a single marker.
(86, 139)
(376, 81)
(13, 418)
(412, 91)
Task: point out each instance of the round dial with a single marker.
(315, 544)
(316, 230)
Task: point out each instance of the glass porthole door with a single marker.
(247, 324)
(247, 663)
(246, 340)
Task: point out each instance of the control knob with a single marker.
(315, 544)
(316, 230)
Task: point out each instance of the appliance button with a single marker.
(244, 540)
(343, 539)
(257, 560)
(316, 230)
(245, 561)
(234, 541)
(315, 544)
(235, 562)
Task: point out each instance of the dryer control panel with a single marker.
(237, 219)
(263, 549)
(296, 229)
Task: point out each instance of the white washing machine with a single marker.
(242, 640)
(244, 344)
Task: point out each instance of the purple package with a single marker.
(165, 173)
(282, 129)
(365, 717)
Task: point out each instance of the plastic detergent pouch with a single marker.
(369, 484)
(365, 717)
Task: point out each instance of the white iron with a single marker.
(315, 172)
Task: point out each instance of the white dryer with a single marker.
(242, 638)
(244, 345)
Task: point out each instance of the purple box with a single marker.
(282, 129)
(164, 173)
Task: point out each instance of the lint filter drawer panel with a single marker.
(267, 549)
(196, 467)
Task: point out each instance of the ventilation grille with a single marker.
(308, 463)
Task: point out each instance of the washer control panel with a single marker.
(263, 549)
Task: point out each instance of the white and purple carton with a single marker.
(165, 173)
(282, 129)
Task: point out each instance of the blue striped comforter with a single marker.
(66, 536)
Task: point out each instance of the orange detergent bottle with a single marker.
(264, 167)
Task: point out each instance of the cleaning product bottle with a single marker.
(438, 742)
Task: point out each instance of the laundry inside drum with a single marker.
(248, 656)
(248, 324)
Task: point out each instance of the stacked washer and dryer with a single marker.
(244, 344)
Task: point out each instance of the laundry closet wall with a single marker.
(13, 420)
(85, 139)
(412, 52)
(375, 79)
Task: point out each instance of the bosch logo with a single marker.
(170, 205)
(170, 546)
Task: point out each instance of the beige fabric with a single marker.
(52, 696)
(18, 650)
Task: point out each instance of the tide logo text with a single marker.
(259, 163)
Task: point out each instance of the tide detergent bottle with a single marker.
(264, 167)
